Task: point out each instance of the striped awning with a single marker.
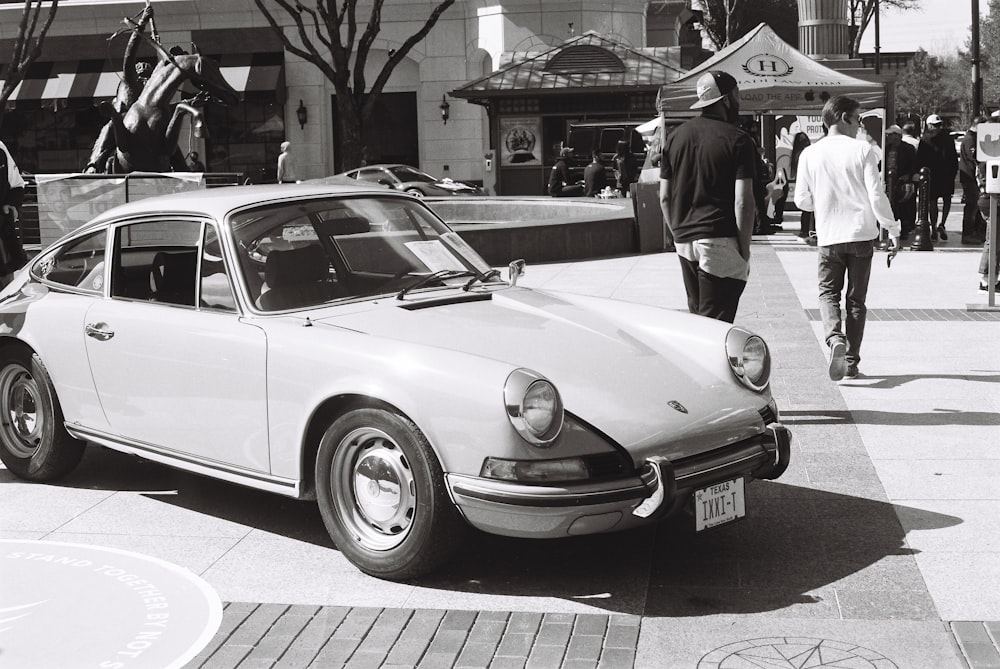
(95, 79)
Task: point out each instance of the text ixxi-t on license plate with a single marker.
(719, 503)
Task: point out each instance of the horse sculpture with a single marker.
(145, 132)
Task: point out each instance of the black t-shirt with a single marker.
(594, 179)
(703, 158)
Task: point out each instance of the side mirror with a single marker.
(515, 271)
(385, 182)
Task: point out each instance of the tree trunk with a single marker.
(349, 145)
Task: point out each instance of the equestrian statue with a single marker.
(144, 124)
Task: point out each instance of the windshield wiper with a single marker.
(492, 274)
(429, 278)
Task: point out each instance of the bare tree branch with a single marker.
(27, 45)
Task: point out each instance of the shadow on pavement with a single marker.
(880, 382)
(939, 417)
(795, 547)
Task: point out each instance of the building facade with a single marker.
(51, 120)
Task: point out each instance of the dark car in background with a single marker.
(411, 180)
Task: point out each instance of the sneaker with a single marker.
(852, 372)
(838, 365)
(941, 231)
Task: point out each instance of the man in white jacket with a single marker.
(839, 180)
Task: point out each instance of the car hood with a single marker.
(618, 367)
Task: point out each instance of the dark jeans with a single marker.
(708, 295)
(853, 261)
(972, 220)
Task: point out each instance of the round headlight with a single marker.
(533, 407)
(756, 362)
(749, 358)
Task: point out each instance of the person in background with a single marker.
(626, 168)
(839, 180)
(193, 163)
(559, 183)
(287, 170)
(911, 134)
(937, 153)
(706, 196)
(973, 223)
(799, 142)
(901, 166)
(12, 255)
(594, 177)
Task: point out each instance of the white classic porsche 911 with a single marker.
(344, 345)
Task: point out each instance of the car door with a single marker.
(176, 368)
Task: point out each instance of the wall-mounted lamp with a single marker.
(445, 109)
(302, 114)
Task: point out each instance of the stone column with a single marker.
(823, 31)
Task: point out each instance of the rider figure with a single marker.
(135, 74)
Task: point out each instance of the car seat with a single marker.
(297, 278)
(172, 277)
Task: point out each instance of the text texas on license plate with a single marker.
(718, 504)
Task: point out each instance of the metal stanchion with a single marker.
(922, 231)
(890, 192)
(991, 240)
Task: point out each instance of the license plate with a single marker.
(719, 504)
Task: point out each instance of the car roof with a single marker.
(218, 202)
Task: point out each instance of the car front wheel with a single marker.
(415, 192)
(382, 495)
(34, 445)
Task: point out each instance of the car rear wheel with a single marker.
(34, 445)
(382, 495)
(415, 192)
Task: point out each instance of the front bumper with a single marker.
(659, 488)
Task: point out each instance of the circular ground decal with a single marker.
(70, 605)
(794, 653)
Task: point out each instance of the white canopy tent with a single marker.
(774, 78)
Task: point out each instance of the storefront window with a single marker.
(245, 138)
(54, 136)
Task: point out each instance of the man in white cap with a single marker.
(706, 194)
(937, 153)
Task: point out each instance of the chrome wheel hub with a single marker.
(22, 421)
(374, 488)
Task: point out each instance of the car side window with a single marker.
(157, 261)
(216, 288)
(372, 175)
(79, 264)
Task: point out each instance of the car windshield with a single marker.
(405, 173)
(303, 253)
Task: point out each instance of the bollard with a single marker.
(922, 232)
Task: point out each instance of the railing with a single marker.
(29, 223)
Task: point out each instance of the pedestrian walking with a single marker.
(799, 142)
(706, 195)
(12, 255)
(900, 170)
(973, 223)
(559, 183)
(594, 177)
(287, 168)
(839, 181)
(937, 153)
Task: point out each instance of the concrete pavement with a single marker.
(878, 548)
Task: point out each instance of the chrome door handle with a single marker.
(99, 331)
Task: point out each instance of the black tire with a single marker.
(34, 444)
(415, 527)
